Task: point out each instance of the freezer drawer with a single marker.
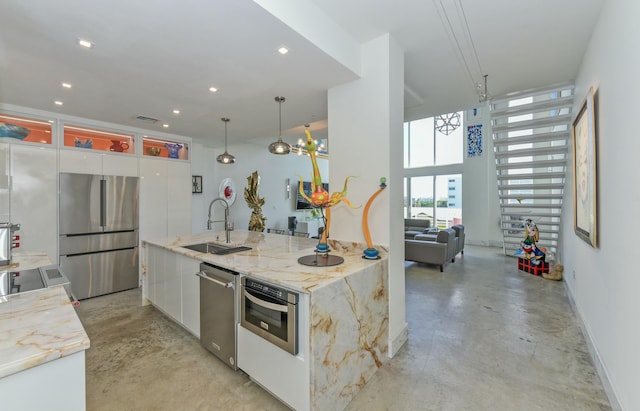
(101, 273)
(78, 244)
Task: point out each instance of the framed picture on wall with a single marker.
(196, 184)
(583, 133)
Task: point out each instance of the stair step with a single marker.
(531, 186)
(561, 136)
(544, 122)
(550, 104)
(532, 164)
(533, 152)
(531, 176)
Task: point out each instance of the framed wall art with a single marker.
(196, 184)
(583, 133)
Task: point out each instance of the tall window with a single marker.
(433, 169)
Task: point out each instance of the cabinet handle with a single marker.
(202, 274)
(270, 306)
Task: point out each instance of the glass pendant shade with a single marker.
(280, 147)
(225, 158)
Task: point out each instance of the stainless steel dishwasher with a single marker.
(219, 288)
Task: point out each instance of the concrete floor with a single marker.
(482, 336)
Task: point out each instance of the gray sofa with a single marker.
(414, 226)
(437, 252)
(459, 229)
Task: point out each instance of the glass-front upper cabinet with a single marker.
(156, 147)
(94, 139)
(25, 129)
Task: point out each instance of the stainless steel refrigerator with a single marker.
(98, 226)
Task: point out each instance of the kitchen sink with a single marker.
(212, 248)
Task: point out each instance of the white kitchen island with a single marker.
(344, 310)
(42, 347)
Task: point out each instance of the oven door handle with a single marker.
(266, 304)
(203, 275)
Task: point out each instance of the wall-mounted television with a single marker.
(301, 203)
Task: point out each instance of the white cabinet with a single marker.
(34, 198)
(168, 287)
(95, 162)
(4, 183)
(81, 162)
(165, 198)
(190, 294)
(173, 287)
(119, 165)
(179, 197)
(55, 385)
(286, 376)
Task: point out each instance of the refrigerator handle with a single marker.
(103, 206)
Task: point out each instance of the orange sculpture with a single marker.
(319, 197)
(370, 252)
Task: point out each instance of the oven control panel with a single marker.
(271, 290)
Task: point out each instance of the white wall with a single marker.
(480, 204)
(365, 128)
(605, 281)
(273, 171)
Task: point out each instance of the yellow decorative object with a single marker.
(319, 197)
(370, 252)
(257, 220)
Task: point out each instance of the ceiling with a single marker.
(151, 57)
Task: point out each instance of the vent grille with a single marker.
(146, 118)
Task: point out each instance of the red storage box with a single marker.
(525, 265)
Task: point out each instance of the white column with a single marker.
(365, 140)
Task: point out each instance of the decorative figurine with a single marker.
(321, 199)
(370, 252)
(528, 247)
(256, 221)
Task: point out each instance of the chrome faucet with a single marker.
(228, 226)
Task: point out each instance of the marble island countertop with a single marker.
(274, 257)
(345, 322)
(37, 326)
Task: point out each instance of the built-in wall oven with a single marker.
(270, 312)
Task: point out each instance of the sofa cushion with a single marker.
(430, 252)
(426, 237)
(414, 226)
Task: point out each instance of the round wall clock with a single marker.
(228, 190)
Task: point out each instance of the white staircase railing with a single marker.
(532, 141)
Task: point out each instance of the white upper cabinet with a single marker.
(90, 162)
(165, 197)
(4, 183)
(34, 198)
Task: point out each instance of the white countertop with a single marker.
(274, 257)
(37, 326)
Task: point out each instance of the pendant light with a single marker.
(225, 158)
(280, 147)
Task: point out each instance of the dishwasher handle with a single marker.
(204, 275)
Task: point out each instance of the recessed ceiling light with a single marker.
(165, 125)
(58, 103)
(176, 111)
(66, 85)
(85, 43)
(213, 89)
(283, 50)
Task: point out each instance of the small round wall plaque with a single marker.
(228, 191)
